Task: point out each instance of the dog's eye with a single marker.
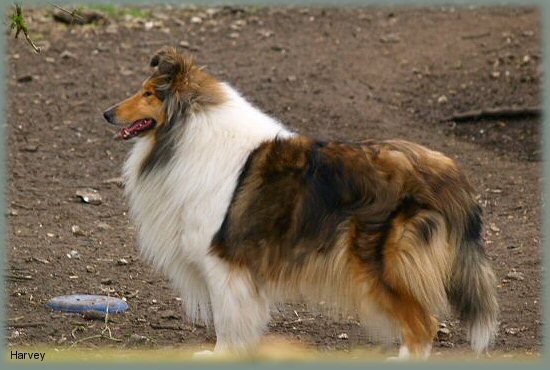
(147, 94)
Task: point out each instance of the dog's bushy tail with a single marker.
(472, 287)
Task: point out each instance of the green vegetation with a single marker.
(17, 23)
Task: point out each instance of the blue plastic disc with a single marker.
(85, 303)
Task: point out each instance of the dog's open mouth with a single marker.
(137, 128)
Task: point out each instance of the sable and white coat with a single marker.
(240, 212)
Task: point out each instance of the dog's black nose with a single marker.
(109, 115)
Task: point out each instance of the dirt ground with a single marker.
(343, 73)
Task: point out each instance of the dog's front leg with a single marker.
(240, 307)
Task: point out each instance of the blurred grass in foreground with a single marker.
(272, 349)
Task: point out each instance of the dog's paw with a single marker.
(203, 355)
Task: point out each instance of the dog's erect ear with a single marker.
(155, 60)
(167, 60)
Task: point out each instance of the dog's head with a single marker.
(176, 87)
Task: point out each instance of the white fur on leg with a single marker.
(427, 351)
(240, 311)
(190, 283)
(404, 354)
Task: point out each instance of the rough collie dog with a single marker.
(240, 212)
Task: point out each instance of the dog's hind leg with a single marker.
(408, 281)
(416, 260)
(417, 326)
(240, 307)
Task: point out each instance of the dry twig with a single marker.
(501, 112)
(13, 277)
(73, 14)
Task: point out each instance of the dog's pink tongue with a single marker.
(135, 128)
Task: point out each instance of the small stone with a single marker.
(89, 195)
(196, 20)
(154, 301)
(41, 260)
(77, 231)
(265, 33)
(526, 59)
(443, 334)
(515, 275)
(212, 11)
(234, 35)
(72, 277)
(494, 228)
(73, 254)
(67, 55)
(131, 294)
(50, 60)
(148, 25)
(495, 74)
(50, 235)
(442, 100)
(391, 38)
(187, 45)
(136, 338)
(291, 78)
(512, 331)
(90, 269)
(122, 261)
(238, 24)
(25, 78)
(103, 226)
(13, 212)
(44, 45)
(343, 336)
